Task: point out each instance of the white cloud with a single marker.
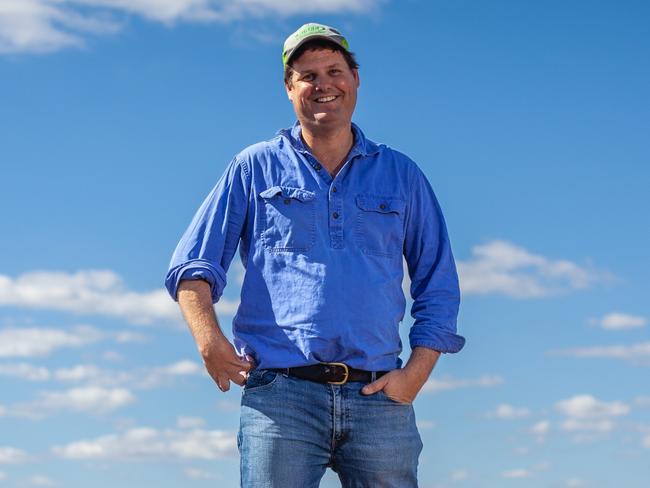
(508, 412)
(94, 292)
(25, 371)
(80, 372)
(91, 399)
(12, 455)
(31, 341)
(620, 321)
(126, 337)
(139, 378)
(189, 422)
(588, 414)
(198, 474)
(588, 407)
(645, 442)
(459, 475)
(159, 376)
(540, 430)
(500, 267)
(574, 483)
(584, 425)
(145, 443)
(516, 473)
(642, 401)
(47, 25)
(88, 399)
(40, 480)
(183, 368)
(634, 352)
(436, 385)
(426, 424)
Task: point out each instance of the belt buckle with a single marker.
(345, 378)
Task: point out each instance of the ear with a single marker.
(289, 90)
(355, 73)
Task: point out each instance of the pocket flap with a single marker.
(288, 192)
(372, 203)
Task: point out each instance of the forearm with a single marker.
(420, 364)
(195, 300)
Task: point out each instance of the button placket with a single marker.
(336, 217)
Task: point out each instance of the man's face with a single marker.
(323, 89)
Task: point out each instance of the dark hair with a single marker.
(315, 45)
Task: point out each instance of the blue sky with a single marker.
(530, 120)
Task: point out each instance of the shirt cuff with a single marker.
(197, 269)
(439, 340)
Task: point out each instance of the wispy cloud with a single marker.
(575, 483)
(34, 342)
(619, 321)
(516, 473)
(93, 292)
(636, 353)
(189, 422)
(12, 455)
(586, 413)
(47, 25)
(91, 399)
(436, 385)
(98, 390)
(198, 474)
(40, 480)
(586, 406)
(146, 444)
(645, 442)
(93, 376)
(25, 371)
(540, 430)
(508, 412)
(500, 267)
(642, 401)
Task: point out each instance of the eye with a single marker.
(335, 71)
(308, 77)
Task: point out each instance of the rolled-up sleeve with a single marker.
(208, 245)
(431, 267)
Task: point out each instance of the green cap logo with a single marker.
(309, 31)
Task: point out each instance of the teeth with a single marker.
(325, 99)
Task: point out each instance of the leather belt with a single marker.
(332, 373)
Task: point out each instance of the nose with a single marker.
(321, 83)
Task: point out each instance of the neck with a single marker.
(329, 147)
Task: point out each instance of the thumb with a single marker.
(375, 386)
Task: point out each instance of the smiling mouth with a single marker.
(326, 99)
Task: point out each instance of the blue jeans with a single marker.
(291, 430)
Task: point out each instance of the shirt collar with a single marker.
(361, 146)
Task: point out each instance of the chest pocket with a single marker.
(288, 219)
(379, 228)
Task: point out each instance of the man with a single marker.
(323, 218)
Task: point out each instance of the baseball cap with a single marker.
(308, 32)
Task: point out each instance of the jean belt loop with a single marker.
(373, 376)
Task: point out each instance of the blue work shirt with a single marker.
(323, 255)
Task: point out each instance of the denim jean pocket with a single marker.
(391, 400)
(261, 379)
(380, 225)
(288, 219)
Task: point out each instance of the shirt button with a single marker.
(382, 206)
(318, 167)
(335, 215)
(287, 201)
(334, 190)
